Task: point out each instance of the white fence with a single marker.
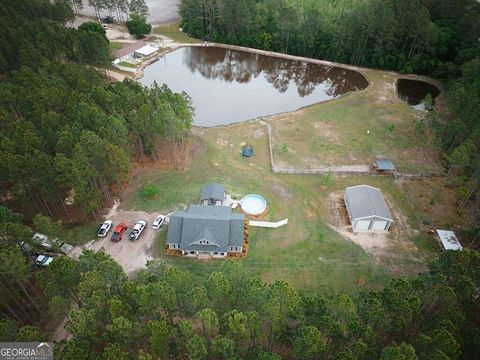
(116, 63)
(267, 224)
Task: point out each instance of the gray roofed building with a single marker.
(213, 194)
(367, 209)
(384, 165)
(207, 230)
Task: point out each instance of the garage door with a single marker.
(362, 225)
(379, 225)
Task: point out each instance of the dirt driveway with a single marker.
(131, 255)
(394, 248)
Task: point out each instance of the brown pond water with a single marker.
(228, 86)
(413, 92)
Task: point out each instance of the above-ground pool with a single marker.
(253, 204)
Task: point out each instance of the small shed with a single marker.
(247, 151)
(384, 165)
(213, 194)
(367, 209)
(145, 51)
(448, 240)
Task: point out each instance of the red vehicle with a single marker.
(118, 232)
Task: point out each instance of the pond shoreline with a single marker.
(363, 71)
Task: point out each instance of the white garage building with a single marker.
(367, 209)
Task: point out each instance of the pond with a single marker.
(413, 92)
(228, 86)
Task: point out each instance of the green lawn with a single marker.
(354, 129)
(79, 235)
(306, 252)
(113, 45)
(172, 31)
(127, 64)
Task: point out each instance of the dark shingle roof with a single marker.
(210, 210)
(365, 201)
(215, 224)
(213, 191)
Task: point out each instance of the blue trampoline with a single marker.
(247, 151)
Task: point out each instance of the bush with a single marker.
(138, 26)
(92, 26)
(150, 191)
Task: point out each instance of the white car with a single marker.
(43, 260)
(158, 222)
(137, 230)
(104, 228)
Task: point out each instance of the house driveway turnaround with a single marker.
(131, 255)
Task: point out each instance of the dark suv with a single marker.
(107, 19)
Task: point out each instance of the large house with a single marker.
(367, 209)
(213, 194)
(206, 230)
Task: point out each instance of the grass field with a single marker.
(172, 31)
(306, 252)
(114, 45)
(354, 129)
(127, 64)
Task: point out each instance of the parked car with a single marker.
(104, 228)
(107, 19)
(137, 230)
(158, 222)
(43, 260)
(118, 232)
(26, 248)
(55, 245)
(65, 248)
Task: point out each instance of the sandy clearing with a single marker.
(131, 255)
(159, 11)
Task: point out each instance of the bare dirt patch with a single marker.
(280, 190)
(259, 133)
(385, 89)
(326, 130)
(394, 244)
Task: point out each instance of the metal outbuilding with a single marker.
(145, 51)
(384, 165)
(367, 209)
(448, 240)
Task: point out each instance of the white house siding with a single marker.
(362, 224)
(379, 225)
(372, 224)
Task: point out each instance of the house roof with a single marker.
(210, 210)
(364, 201)
(213, 191)
(217, 226)
(385, 164)
(449, 240)
(146, 50)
